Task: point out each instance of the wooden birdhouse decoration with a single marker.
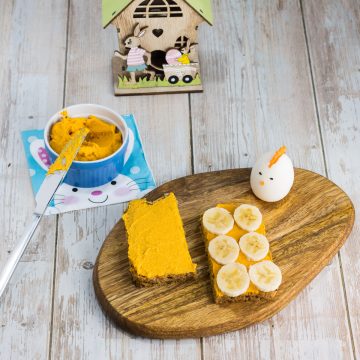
(158, 47)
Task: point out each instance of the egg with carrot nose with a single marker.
(272, 176)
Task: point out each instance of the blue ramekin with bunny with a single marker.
(91, 173)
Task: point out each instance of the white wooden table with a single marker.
(274, 72)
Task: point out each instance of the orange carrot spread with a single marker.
(69, 151)
(102, 141)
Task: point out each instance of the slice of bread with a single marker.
(142, 281)
(157, 247)
(252, 294)
(224, 299)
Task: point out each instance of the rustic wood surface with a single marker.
(305, 230)
(284, 71)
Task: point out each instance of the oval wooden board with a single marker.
(305, 230)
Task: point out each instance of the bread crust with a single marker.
(224, 299)
(142, 281)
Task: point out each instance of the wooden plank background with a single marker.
(285, 71)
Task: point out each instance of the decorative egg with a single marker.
(272, 176)
(172, 55)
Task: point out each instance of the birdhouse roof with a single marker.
(112, 8)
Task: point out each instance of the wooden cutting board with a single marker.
(305, 231)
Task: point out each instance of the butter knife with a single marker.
(54, 177)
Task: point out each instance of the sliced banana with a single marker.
(254, 245)
(233, 279)
(265, 275)
(218, 221)
(224, 249)
(248, 217)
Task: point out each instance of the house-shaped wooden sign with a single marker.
(158, 49)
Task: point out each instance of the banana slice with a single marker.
(254, 245)
(224, 249)
(248, 217)
(265, 275)
(218, 221)
(233, 279)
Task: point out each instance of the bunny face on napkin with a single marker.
(135, 181)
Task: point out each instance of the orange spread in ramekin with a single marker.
(102, 141)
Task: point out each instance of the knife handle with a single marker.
(17, 253)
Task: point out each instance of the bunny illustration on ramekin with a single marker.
(135, 59)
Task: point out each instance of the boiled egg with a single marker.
(272, 176)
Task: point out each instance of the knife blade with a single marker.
(54, 177)
(58, 170)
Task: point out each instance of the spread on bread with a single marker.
(240, 260)
(157, 247)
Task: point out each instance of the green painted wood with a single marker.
(203, 8)
(111, 9)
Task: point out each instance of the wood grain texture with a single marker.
(31, 88)
(305, 230)
(334, 44)
(257, 100)
(257, 97)
(164, 127)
